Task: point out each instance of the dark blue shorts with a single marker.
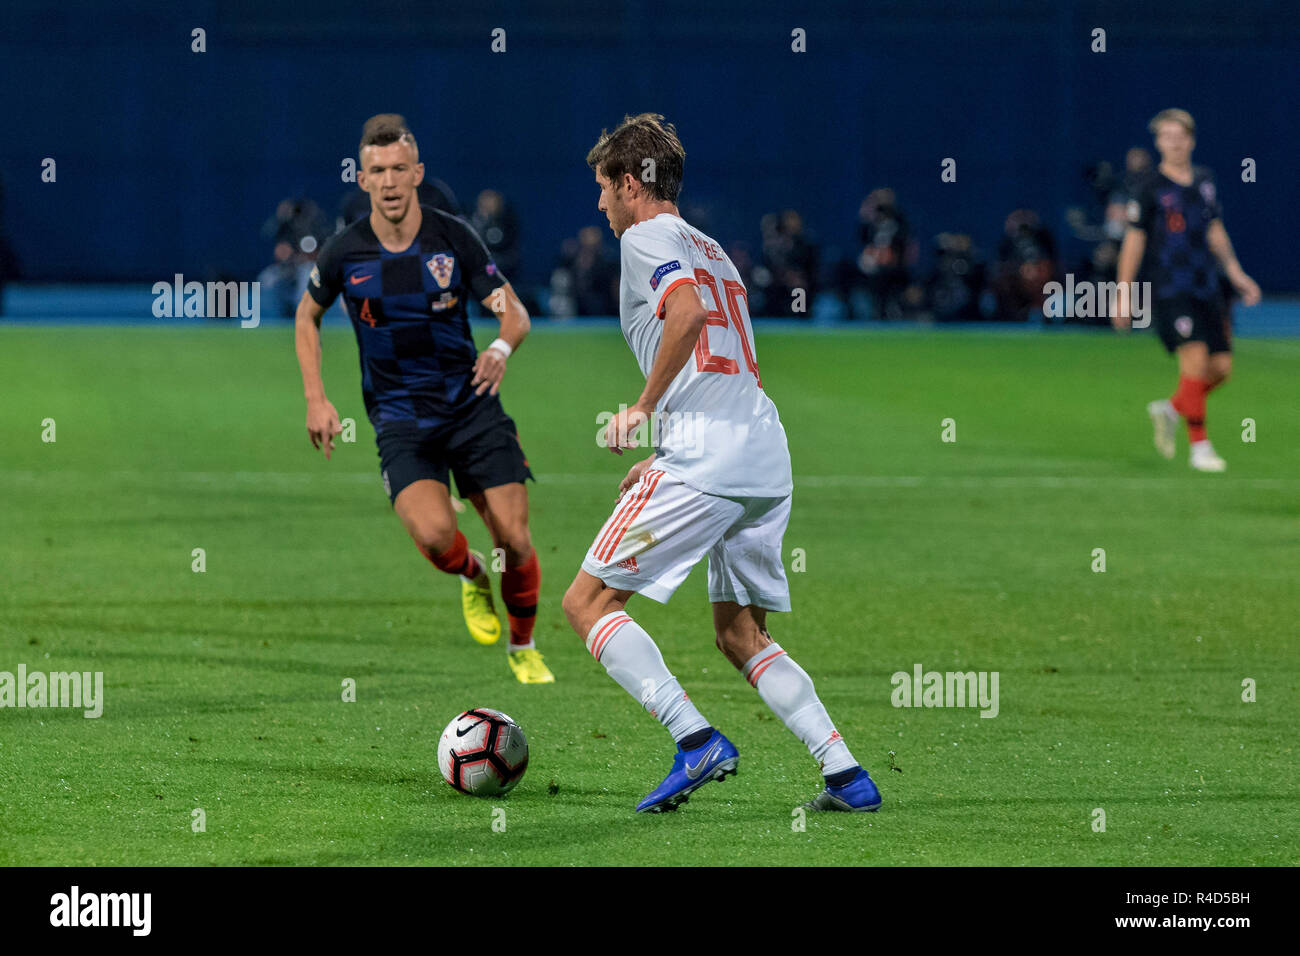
(481, 451)
(1189, 319)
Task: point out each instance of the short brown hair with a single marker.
(385, 128)
(1181, 117)
(636, 139)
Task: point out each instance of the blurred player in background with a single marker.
(719, 483)
(1176, 220)
(405, 272)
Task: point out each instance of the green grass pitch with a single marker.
(1120, 691)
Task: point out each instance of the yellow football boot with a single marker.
(480, 613)
(529, 667)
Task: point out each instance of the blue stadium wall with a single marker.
(169, 161)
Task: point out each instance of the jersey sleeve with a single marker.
(477, 269)
(1142, 207)
(655, 263)
(326, 281)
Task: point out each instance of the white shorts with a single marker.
(662, 528)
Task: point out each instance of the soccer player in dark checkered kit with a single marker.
(1176, 222)
(405, 273)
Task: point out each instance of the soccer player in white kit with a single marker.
(718, 484)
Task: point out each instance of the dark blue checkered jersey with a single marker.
(408, 311)
(1175, 218)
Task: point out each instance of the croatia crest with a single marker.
(441, 267)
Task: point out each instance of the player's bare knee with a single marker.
(517, 545)
(433, 538)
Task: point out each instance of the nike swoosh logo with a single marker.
(694, 772)
(462, 733)
(357, 280)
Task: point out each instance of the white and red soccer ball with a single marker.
(483, 752)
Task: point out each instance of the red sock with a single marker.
(456, 559)
(519, 589)
(1189, 401)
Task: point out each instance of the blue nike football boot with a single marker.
(692, 769)
(859, 795)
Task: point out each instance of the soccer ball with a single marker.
(483, 753)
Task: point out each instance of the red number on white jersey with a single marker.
(705, 360)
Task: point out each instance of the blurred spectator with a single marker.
(743, 260)
(585, 281)
(431, 192)
(1102, 259)
(1026, 263)
(790, 264)
(1089, 222)
(1137, 167)
(497, 225)
(952, 291)
(1102, 182)
(1101, 225)
(1100, 265)
(882, 265)
(298, 229)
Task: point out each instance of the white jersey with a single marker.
(716, 430)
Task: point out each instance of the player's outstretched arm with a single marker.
(322, 418)
(684, 317)
(1217, 239)
(1130, 257)
(490, 367)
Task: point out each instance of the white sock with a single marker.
(788, 690)
(632, 658)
